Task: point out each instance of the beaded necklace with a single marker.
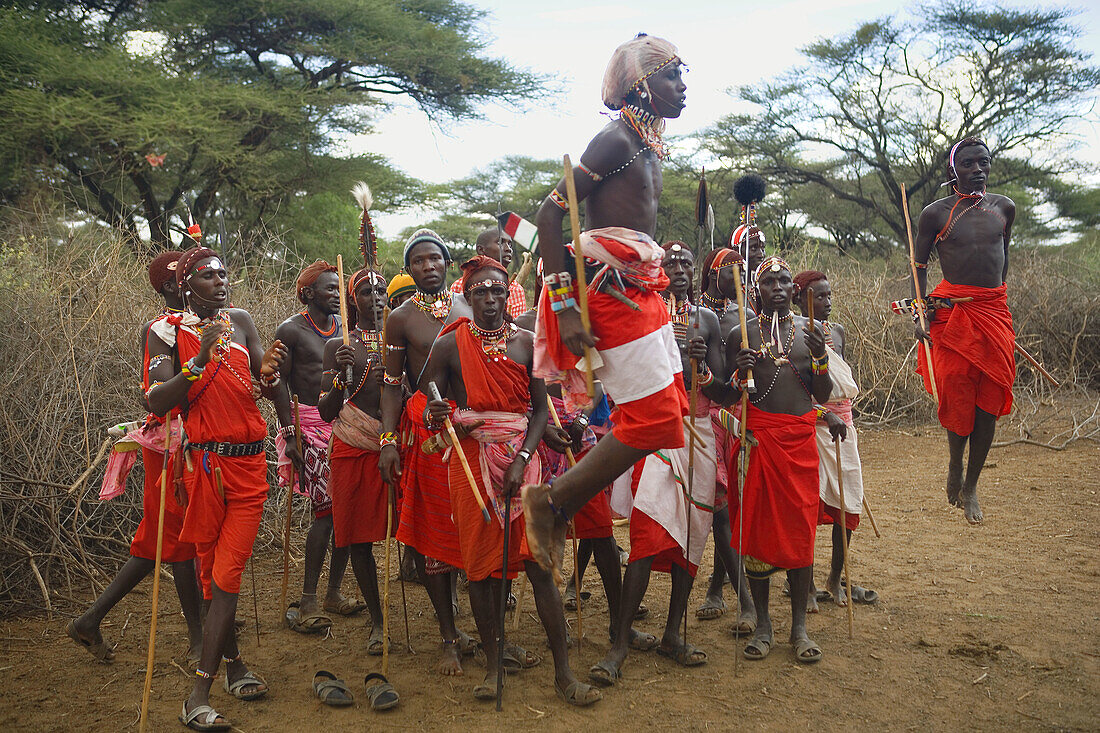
(494, 343)
(436, 305)
(323, 334)
(648, 127)
(221, 348)
(779, 356)
(372, 340)
(678, 313)
(718, 306)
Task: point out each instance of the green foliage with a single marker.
(248, 101)
(882, 105)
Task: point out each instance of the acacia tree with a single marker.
(882, 105)
(248, 101)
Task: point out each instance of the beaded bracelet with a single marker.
(287, 431)
(819, 411)
(391, 381)
(559, 289)
(385, 439)
(819, 365)
(558, 200)
(706, 378)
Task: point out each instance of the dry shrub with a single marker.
(72, 304)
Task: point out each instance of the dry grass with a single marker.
(72, 304)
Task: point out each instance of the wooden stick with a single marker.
(1035, 363)
(156, 575)
(386, 586)
(345, 327)
(503, 594)
(844, 535)
(810, 307)
(255, 600)
(289, 510)
(576, 557)
(519, 602)
(693, 401)
(582, 284)
(457, 449)
(743, 321)
(871, 516)
(699, 441)
(919, 298)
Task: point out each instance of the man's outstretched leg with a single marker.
(548, 510)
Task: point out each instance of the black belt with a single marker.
(231, 449)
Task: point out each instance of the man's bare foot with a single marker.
(545, 533)
(308, 604)
(449, 664)
(837, 591)
(811, 602)
(971, 508)
(954, 487)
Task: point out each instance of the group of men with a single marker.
(469, 423)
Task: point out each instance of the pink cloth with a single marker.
(122, 458)
(499, 439)
(313, 481)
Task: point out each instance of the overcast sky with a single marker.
(725, 43)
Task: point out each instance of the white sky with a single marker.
(726, 43)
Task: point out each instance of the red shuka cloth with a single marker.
(649, 539)
(426, 524)
(223, 528)
(648, 423)
(972, 346)
(495, 384)
(144, 544)
(781, 490)
(359, 496)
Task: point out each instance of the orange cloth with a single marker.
(426, 523)
(649, 539)
(972, 351)
(222, 409)
(495, 384)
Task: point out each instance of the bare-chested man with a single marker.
(304, 335)
(669, 526)
(619, 177)
(426, 524)
(972, 342)
(779, 504)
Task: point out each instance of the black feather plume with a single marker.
(749, 189)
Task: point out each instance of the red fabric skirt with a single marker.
(359, 496)
(829, 514)
(781, 497)
(145, 539)
(972, 352)
(650, 539)
(224, 528)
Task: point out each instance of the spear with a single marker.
(576, 558)
(844, 534)
(289, 509)
(743, 445)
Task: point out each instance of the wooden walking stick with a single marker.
(692, 402)
(503, 592)
(582, 284)
(386, 585)
(918, 301)
(1035, 363)
(576, 557)
(461, 455)
(289, 507)
(345, 330)
(844, 534)
(743, 447)
(871, 516)
(156, 575)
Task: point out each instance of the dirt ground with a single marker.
(990, 627)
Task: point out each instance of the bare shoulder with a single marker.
(937, 210)
(242, 317)
(398, 320)
(525, 337)
(288, 328)
(610, 148)
(1002, 202)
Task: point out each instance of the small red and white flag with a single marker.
(524, 234)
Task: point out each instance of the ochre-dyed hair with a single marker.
(805, 279)
(309, 275)
(163, 268)
(188, 260)
(475, 265)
